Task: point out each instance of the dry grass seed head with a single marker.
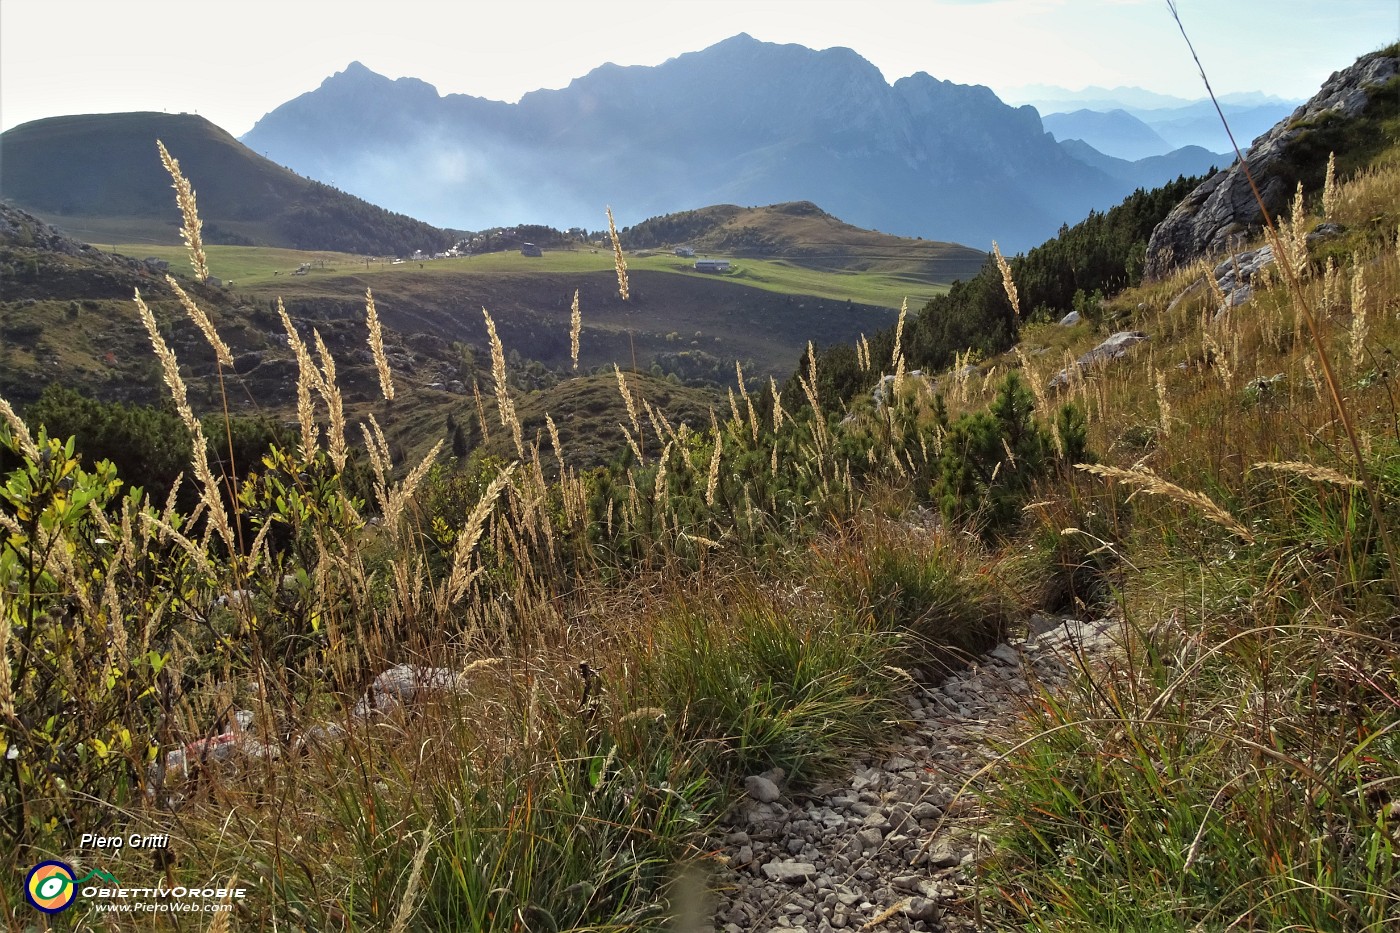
(1311, 471)
(712, 481)
(222, 354)
(308, 378)
(575, 329)
(1164, 406)
(554, 441)
(1329, 187)
(415, 874)
(1358, 312)
(628, 401)
(376, 347)
(1008, 284)
(1153, 484)
(335, 406)
(20, 430)
(211, 497)
(191, 226)
(505, 407)
(658, 493)
(1297, 236)
(458, 579)
(619, 262)
(897, 355)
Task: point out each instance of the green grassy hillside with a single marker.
(100, 173)
(804, 234)
(689, 323)
(263, 266)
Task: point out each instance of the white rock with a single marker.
(789, 872)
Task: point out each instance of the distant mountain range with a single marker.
(1113, 132)
(1050, 98)
(741, 122)
(100, 177)
(1175, 121)
(1149, 172)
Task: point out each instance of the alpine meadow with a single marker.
(732, 569)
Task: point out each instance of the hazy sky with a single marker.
(234, 61)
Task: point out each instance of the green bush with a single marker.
(991, 459)
(78, 688)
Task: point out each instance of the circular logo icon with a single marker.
(50, 888)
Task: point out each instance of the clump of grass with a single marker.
(757, 683)
(943, 595)
(1206, 786)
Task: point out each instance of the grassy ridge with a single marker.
(804, 234)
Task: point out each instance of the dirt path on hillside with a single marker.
(894, 845)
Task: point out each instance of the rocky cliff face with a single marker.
(1222, 212)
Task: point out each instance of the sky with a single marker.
(232, 62)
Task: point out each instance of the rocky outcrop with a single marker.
(1222, 212)
(1234, 278)
(21, 230)
(1111, 349)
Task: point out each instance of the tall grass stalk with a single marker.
(1300, 300)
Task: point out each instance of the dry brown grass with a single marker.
(619, 261)
(1008, 283)
(575, 328)
(191, 226)
(376, 347)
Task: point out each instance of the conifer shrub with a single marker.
(991, 459)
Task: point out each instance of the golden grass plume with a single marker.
(1007, 282)
(308, 378)
(19, 429)
(376, 347)
(575, 328)
(619, 262)
(505, 406)
(210, 495)
(191, 226)
(1152, 484)
(222, 354)
(415, 874)
(1310, 471)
